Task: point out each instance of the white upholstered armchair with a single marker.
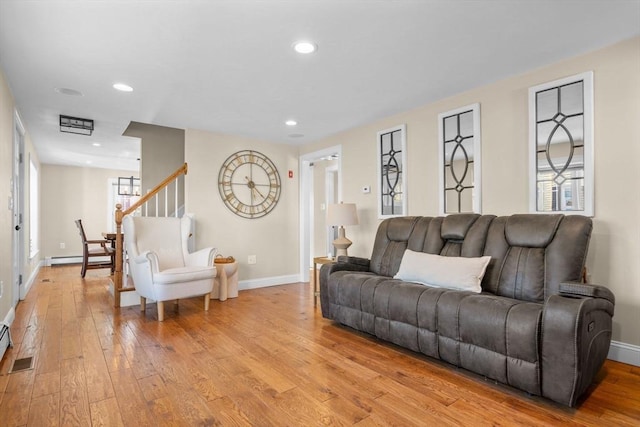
(160, 264)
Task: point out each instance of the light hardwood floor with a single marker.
(266, 358)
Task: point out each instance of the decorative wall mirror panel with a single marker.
(392, 173)
(561, 146)
(459, 160)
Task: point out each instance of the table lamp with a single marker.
(341, 214)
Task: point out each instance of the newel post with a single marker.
(117, 279)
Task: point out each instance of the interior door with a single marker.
(18, 209)
(331, 196)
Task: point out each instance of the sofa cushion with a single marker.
(530, 230)
(455, 227)
(441, 271)
(391, 241)
(351, 296)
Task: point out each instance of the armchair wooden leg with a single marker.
(207, 298)
(143, 303)
(160, 311)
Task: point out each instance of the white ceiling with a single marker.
(228, 65)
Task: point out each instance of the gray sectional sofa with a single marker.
(533, 326)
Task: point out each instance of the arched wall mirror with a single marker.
(561, 146)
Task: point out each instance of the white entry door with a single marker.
(17, 208)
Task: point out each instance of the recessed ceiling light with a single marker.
(305, 47)
(122, 87)
(88, 162)
(96, 144)
(290, 123)
(67, 91)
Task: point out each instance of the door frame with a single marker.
(17, 202)
(305, 209)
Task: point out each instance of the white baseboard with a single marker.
(625, 353)
(10, 317)
(128, 299)
(268, 281)
(24, 290)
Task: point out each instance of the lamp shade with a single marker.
(342, 214)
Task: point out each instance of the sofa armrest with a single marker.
(576, 334)
(357, 262)
(570, 289)
(343, 263)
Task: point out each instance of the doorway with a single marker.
(17, 202)
(316, 170)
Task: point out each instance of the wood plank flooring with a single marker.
(266, 358)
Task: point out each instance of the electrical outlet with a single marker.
(366, 189)
(1, 288)
(62, 245)
(251, 259)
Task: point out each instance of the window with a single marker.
(34, 210)
(561, 146)
(459, 160)
(392, 174)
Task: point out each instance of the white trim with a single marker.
(306, 220)
(10, 317)
(477, 156)
(265, 282)
(405, 174)
(330, 173)
(128, 299)
(24, 289)
(588, 123)
(624, 353)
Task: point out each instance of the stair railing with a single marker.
(143, 204)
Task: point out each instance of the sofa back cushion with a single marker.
(391, 241)
(454, 235)
(532, 254)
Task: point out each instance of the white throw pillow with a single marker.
(443, 271)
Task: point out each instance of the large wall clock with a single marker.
(249, 184)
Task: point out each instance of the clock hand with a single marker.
(258, 191)
(252, 186)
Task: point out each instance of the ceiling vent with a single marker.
(76, 125)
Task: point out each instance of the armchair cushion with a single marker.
(184, 274)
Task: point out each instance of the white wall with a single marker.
(614, 253)
(29, 266)
(69, 193)
(272, 238)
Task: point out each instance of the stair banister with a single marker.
(119, 214)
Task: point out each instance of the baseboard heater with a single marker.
(5, 339)
(62, 260)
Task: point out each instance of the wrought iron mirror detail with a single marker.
(459, 160)
(392, 160)
(561, 140)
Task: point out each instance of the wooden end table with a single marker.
(316, 282)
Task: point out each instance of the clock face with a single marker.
(249, 184)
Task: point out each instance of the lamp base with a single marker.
(341, 243)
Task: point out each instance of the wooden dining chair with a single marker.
(93, 249)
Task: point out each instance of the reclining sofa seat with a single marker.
(534, 326)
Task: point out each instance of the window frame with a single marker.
(588, 143)
(403, 141)
(477, 158)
